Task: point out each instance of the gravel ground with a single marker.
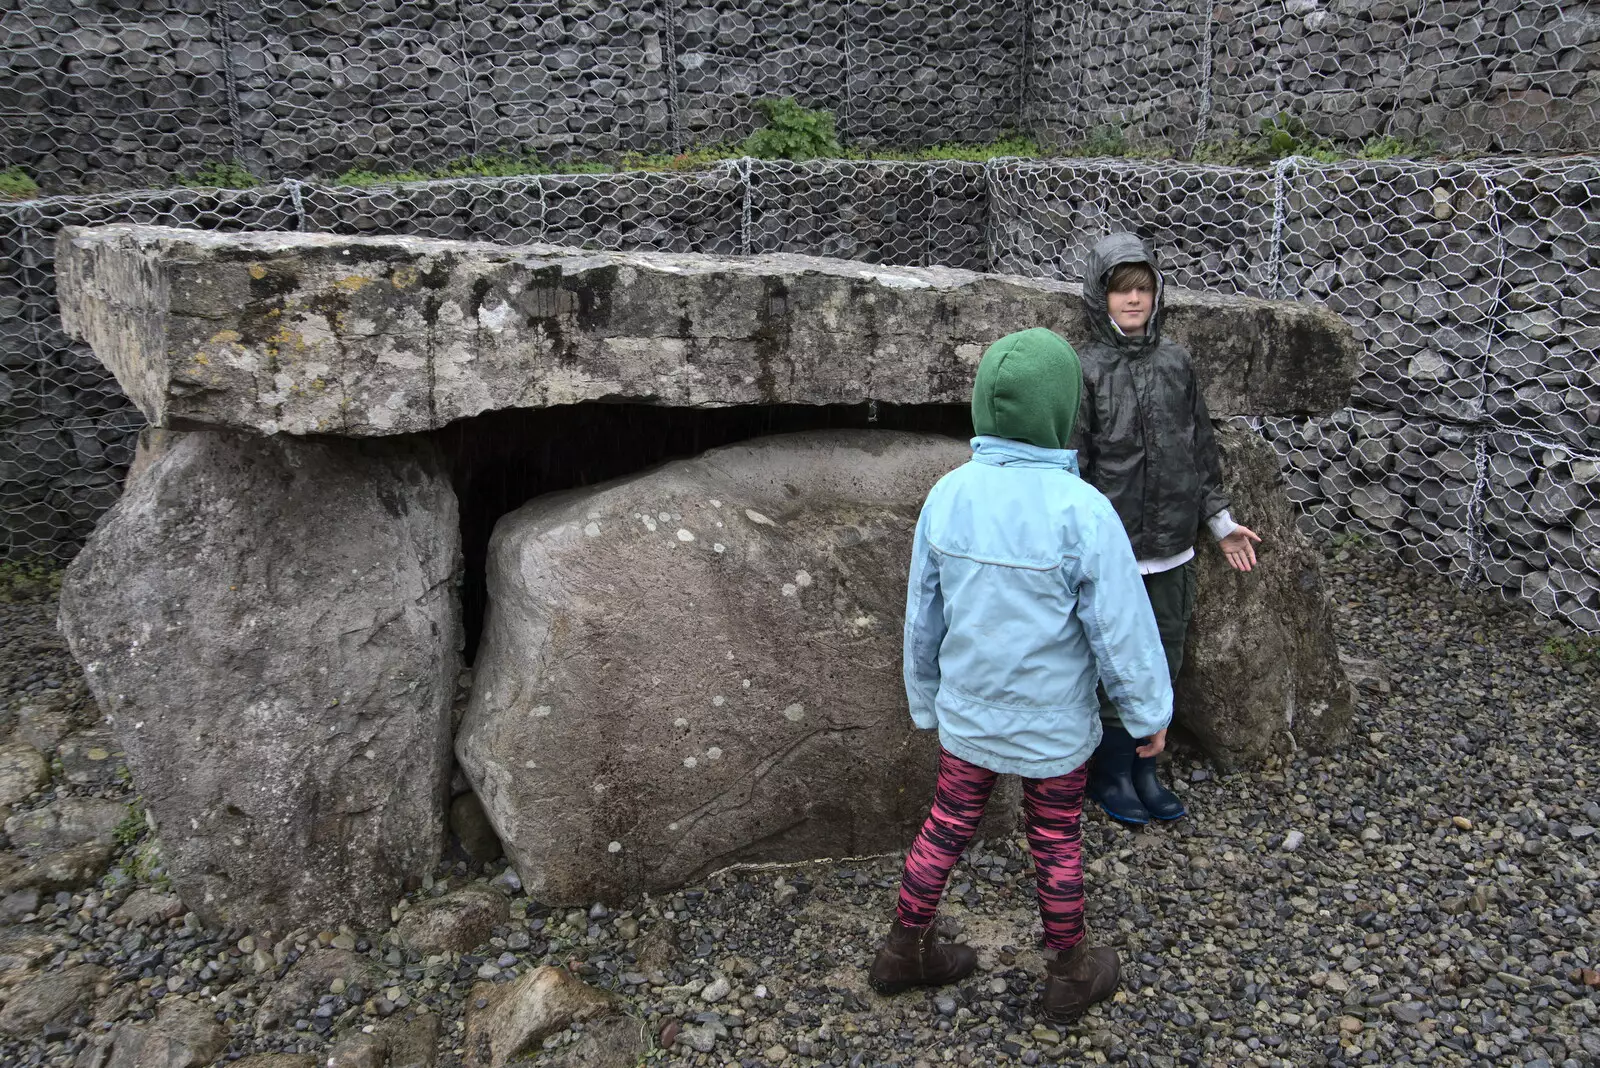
(1426, 896)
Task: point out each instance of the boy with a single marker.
(1144, 440)
(1023, 592)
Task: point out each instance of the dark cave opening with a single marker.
(501, 460)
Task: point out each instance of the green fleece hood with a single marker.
(1028, 388)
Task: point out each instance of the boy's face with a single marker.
(1130, 308)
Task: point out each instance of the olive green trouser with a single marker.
(1171, 596)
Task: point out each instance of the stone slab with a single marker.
(271, 628)
(700, 666)
(365, 336)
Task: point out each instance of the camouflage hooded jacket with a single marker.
(1144, 437)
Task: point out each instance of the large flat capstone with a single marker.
(328, 334)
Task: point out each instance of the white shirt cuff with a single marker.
(1222, 525)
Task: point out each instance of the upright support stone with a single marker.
(271, 627)
(1261, 670)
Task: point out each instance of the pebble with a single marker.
(1324, 910)
(700, 1037)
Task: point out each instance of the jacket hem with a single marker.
(1028, 769)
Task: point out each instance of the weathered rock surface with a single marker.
(411, 1043)
(184, 1034)
(43, 724)
(701, 665)
(91, 758)
(454, 923)
(618, 1041)
(1261, 664)
(147, 906)
(17, 904)
(270, 627)
(21, 953)
(311, 976)
(70, 869)
(22, 771)
(276, 1060)
(395, 1043)
(63, 824)
(516, 1016)
(49, 999)
(327, 334)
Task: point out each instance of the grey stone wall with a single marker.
(95, 100)
(1474, 436)
(96, 97)
(1470, 75)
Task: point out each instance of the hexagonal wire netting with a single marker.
(1470, 445)
(1473, 442)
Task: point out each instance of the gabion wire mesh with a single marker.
(1466, 75)
(1471, 443)
(1471, 446)
(1473, 440)
(96, 96)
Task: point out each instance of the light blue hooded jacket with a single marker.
(1023, 593)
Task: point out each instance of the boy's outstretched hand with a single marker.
(1156, 743)
(1239, 549)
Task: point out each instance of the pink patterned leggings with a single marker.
(1052, 807)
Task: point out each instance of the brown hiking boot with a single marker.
(1077, 979)
(914, 956)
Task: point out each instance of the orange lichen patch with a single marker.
(286, 344)
(220, 343)
(353, 283)
(257, 271)
(403, 277)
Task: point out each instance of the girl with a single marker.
(1023, 592)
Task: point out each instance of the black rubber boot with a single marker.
(1111, 777)
(1159, 801)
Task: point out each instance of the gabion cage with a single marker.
(97, 95)
(1465, 75)
(1470, 445)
